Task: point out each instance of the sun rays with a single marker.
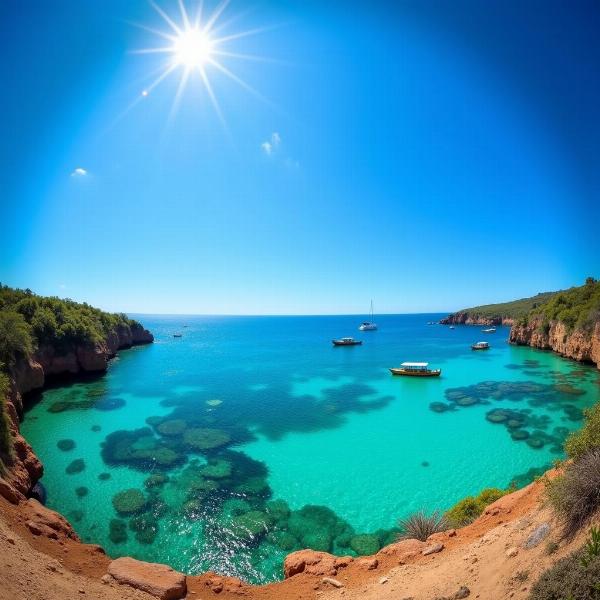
(196, 44)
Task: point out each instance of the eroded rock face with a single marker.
(466, 318)
(43, 521)
(153, 578)
(313, 563)
(578, 345)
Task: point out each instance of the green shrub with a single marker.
(569, 578)
(588, 437)
(575, 495)
(419, 526)
(469, 508)
(15, 337)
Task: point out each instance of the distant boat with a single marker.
(346, 341)
(369, 325)
(177, 335)
(480, 346)
(451, 327)
(489, 330)
(416, 369)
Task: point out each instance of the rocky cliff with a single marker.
(28, 374)
(578, 344)
(465, 317)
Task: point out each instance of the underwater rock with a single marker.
(129, 502)
(76, 515)
(65, 445)
(155, 480)
(235, 506)
(165, 457)
(251, 525)
(569, 389)
(104, 476)
(254, 486)
(172, 427)
(497, 416)
(466, 401)
(535, 442)
(75, 466)
(318, 540)
(118, 531)
(519, 434)
(62, 406)
(278, 509)
(106, 404)
(81, 491)
(440, 407)
(202, 438)
(217, 469)
(283, 540)
(365, 544)
(192, 509)
(96, 428)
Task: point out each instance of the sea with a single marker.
(247, 438)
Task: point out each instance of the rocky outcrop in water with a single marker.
(468, 318)
(581, 345)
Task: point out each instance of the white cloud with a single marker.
(271, 145)
(79, 172)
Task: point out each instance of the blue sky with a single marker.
(429, 155)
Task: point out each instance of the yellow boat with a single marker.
(416, 369)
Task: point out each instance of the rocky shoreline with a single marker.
(466, 318)
(31, 374)
(579, 345)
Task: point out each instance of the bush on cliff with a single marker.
(15, 337)
(588, 437)
(469, 508)
(577, 307)
(575, 495)
(576, 576)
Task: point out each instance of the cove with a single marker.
(250, 437)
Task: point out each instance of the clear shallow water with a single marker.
(274, 440)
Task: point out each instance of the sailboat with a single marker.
(369, 325)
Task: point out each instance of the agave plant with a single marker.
(420, 525)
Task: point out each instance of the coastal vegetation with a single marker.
(515, 309)
(420, 525)
(468, 509)
(29, 322)
(576, 307)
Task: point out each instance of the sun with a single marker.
(197, 44)
(193, 48)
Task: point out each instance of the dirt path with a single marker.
(489, 559)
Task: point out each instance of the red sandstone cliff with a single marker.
(30, 374)
(579, 345)
(467, 318)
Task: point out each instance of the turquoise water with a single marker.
(250, 437)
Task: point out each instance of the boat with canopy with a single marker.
(416, 369)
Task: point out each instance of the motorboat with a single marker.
(416, 369)
(489, 330)
(346, 341)
(480, 346)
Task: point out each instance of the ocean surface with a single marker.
(250, 437)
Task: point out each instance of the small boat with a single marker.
(368, 325)
(480, 346)
(451, 327)
(489, 330)
(177, 335)
(346, 341)
(416, 369)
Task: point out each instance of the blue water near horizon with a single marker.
(266, 422)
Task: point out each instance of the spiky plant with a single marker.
(420, 525)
